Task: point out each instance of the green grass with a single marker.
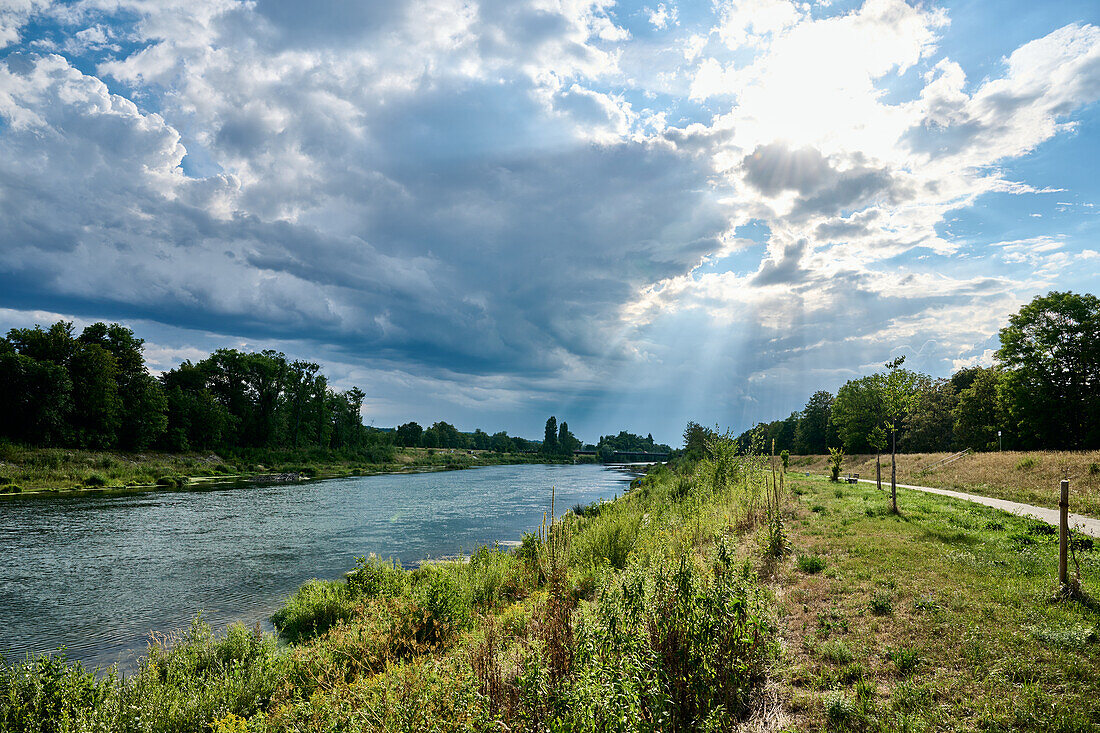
(950, 611)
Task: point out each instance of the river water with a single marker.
(97, 574)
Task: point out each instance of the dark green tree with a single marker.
(696, 440)
(1050, 357)
(930, 426)
(567, 442)
(501, 443)
(409, 434)
(812, 435)
(550, 437)
(978, 413)
(859, 406)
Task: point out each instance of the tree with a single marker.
(858, 408)
(696, 440)
(567, 442)
(978, 414)
(142, 417)
(877, 440)
(97, 408)
(35, 398)
(409, 434)
(898, 395)
(550, 437)
(812, 434)
(482, 440)
(501, 443)
(930, 428)
(1050, 356)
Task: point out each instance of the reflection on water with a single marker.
(98, 574)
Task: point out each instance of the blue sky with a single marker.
(629, 215)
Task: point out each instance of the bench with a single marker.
(852, 478)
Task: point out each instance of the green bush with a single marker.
(43, 692)
(185, 683)
(95, 479)
(446, 608)
(313, 609)
(608, 539)
(1026, 464)
(493, 576)
(373, 578)
(811, 564)
(669, 643)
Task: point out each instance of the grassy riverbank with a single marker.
(28, 470)
(689, 604)
(1030, 477)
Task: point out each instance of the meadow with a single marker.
(718, 595)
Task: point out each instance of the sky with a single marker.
(628, 215)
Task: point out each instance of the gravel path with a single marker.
(1079, 522)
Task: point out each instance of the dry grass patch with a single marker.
(1031, 477)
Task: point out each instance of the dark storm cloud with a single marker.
(485, 263)
(822, 187)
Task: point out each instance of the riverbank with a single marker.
(58, 470)
(1028, 477)
(702, 599)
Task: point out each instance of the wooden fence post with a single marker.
(1063, 534)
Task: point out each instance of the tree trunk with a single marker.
(894, 470)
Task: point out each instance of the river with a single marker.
(97, 574)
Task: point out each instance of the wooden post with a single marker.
(1063, 534)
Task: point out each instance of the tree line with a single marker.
(93, 390)
(444, 435)
(1042, 392)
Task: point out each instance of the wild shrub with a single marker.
(313, 609)
(493, 576)
(44, 694)
(709, 640)
(836, 459)
(374, 577)
(811, 564)
(608, 540)
(186, 682)
(1026, 464)
(95, 479)
(882, 602)
(668, 646)
(446, 609)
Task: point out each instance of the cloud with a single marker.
(663, 16)
(517, 197)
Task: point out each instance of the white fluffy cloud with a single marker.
(523, 197)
